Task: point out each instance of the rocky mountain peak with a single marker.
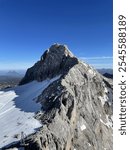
(57, 50)
(76, 108)
(56, 60)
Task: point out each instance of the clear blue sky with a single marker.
(28, 27)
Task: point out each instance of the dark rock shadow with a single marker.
(26, 95)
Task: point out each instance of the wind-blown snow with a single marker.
(17, 109)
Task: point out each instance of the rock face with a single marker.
(56, 60)
(76, 109)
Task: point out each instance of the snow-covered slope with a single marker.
(17, 109)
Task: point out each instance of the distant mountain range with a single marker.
(106, 72)
(103, 71)
(9, 79)
(13, 74)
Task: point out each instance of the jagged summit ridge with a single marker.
(57, 49)
(56, 60)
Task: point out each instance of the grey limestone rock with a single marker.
(56, 60)
(76, 109)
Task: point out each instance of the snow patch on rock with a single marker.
(83, 127)
(17, 110)
(103, 99)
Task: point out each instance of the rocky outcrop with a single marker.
(56, 60)
(76, 109)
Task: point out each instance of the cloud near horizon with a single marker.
(96, 58)
(99, 62)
